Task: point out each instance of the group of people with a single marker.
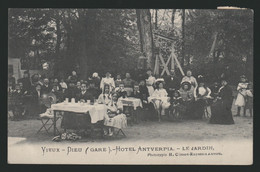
(180, 98)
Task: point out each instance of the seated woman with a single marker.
(115, 118)
(105, 96)
(201, 95)
(221, 108)
(187, 95)
(160, 98)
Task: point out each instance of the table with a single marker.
(97, 111)
(131, 101)
(163, 99)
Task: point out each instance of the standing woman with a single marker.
(190, 78)
(241, 95)
(150, 81)
(201, 95)
(108, 80)
(221, 107)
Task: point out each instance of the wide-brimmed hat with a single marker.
(186, 83)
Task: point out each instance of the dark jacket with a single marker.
(94, 92)
(71, 93)
(172, 82)
(26, 83)
(86, 96)
(144, 92)
(45, 89)
(136, 94)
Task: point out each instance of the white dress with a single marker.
(161, 94)
(107, 81)
(149, 82)
(118, 121)
(240, 101)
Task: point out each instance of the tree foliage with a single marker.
(100, 40)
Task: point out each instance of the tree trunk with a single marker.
(183, 37)
(156, 19)
(146, 37)
(173, 17)
(57, 47)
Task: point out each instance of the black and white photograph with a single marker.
(130, 86)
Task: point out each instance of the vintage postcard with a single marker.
(130, 86)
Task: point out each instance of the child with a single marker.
(241, 96)
(115, 117)
(176, 102)
(249, 98)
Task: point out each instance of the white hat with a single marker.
(159, 80)
(95, 74)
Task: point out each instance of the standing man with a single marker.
(172, 83)
(128, 83)
(26, 82)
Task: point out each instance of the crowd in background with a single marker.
(188, 96)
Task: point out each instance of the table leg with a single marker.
(54, 123)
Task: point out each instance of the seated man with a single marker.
(84, 95)
(71, 92)
(121, 91)
(93, 90)
(136, 92)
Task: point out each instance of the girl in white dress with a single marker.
(160, 98)
(115, 118)
(241, 95)
(105, 96)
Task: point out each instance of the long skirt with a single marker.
(119, 121)
(198, 108)
(221, 113)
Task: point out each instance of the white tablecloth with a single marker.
(97, 112)
(163, 99)
(131, 101)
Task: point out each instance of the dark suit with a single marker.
(94, 92)
(71, 93)
(136, 94)
(26, 83)
(46, 89)
(171, 84)
(85, 96)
